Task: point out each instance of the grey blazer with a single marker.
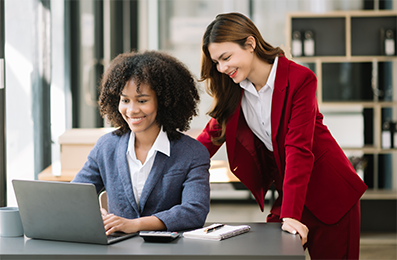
(177, 190)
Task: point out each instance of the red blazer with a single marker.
(314, 171)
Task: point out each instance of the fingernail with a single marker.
(294, 232)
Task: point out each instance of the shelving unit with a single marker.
(353, 73)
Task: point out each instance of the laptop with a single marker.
(62, 211)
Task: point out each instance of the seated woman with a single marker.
(156, 178)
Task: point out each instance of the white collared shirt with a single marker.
(257, 107)
(140, 172)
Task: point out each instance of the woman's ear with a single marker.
(250, 42)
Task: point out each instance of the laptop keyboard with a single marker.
(115, 235)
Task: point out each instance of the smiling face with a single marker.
(232, 60)
(139, 109)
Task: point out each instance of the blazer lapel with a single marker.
(124, 172)
(154, 176)
(279, 93)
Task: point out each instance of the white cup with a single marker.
(10, 222)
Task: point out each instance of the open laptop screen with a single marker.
(61, 211)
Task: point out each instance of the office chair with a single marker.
(103, 200)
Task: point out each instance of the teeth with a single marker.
(231, 73)
(136, 119)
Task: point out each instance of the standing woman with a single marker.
(266, 111)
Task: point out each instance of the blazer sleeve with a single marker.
(90, 172)
(299, 158)
(211, 130)
(195, 198)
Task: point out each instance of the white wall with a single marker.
(19, 22)
(60, 93)
(21, 38)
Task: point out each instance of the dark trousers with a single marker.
(338, 241)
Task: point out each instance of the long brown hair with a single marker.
(236, 28)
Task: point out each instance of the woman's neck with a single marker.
(144, 142)
(259, 73)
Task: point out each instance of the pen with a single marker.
(210, 229)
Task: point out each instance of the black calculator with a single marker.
(159, 236)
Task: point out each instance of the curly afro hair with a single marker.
(175, 87)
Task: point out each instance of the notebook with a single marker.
(224, 232)
(62, 211)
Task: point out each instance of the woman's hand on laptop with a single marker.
(115, 223)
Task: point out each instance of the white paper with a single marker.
(222, 233)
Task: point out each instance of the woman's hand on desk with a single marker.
(113, 223)
(294, 226)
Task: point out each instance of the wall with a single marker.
(19, 21)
